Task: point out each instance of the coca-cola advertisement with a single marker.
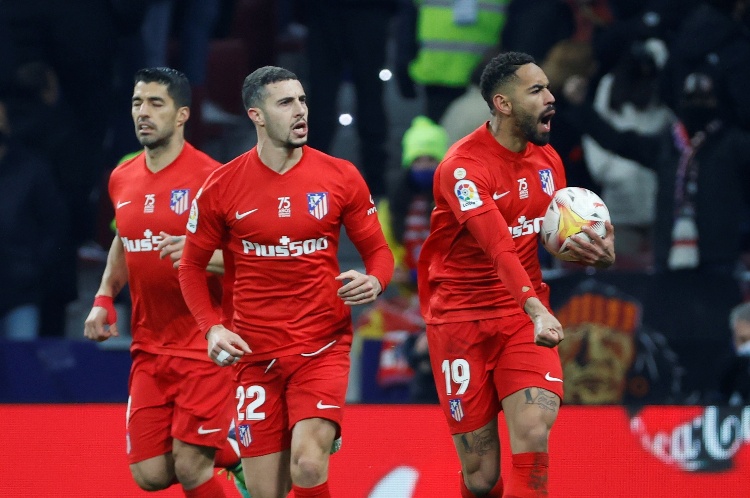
(404, 451)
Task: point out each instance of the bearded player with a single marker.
(491, 335)
(179, 410)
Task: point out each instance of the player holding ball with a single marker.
(491, 334)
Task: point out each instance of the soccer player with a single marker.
(490, 332)
(279, 209)
(179, 410)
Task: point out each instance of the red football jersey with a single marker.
(283, 236)
(145, 204)
(478, 175)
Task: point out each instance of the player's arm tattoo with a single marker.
(480, 442)
(542, 398)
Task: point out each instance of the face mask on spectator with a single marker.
(422, 179)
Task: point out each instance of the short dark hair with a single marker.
(253, 89)
(500, 70)
(178, 86)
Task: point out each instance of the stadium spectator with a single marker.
(632, 20)
(701, 162)
(628, 99)
(405, 215)
(42, 124)
(466, 112)
(490, 331)
(180, 404)
(553, 21)
(196, 22)
(347, 38)
(699, 159)
(734, 381)
(439, 44)
(34, 224)
(279, 208)
(714, 33)
(78, 40)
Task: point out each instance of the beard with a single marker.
(528, 126)
(155, 142)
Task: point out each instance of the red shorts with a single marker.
(176, 398)
(478, 364)
(273, 395)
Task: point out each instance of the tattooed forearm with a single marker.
(541, 398)
(480, 442)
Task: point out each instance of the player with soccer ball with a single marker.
(491, 334)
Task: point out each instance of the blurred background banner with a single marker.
(399, 452)
(56, 370)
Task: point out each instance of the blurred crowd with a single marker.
(650, 114)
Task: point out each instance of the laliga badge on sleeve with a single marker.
(467, 194)
(192, 224)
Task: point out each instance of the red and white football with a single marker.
(571, 209)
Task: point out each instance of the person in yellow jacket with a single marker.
(440, 44)
(405, 213)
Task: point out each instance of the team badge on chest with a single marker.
(178, 201)
(548, 183)
(317, 204)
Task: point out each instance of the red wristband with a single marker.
(107, 303)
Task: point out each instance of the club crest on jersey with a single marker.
(467, 194)
(245, 438)
(317, 204)
(178, 201)
(548, 183)
(457, 409)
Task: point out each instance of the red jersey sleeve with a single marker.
(465, 185)
(491, 233)
(360, 216)
(360, 219)
(192, 274)
(377, 257)
(205, 232)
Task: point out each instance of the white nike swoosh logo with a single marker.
(242, 215)
(201, 430)
(497, 196)
(551, 379)
(320, 350)
(121, 204)
(321, 406)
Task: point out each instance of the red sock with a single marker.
(528, 478)
(319, 491)
(209, 489)
(226, 457)
(495, 492)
